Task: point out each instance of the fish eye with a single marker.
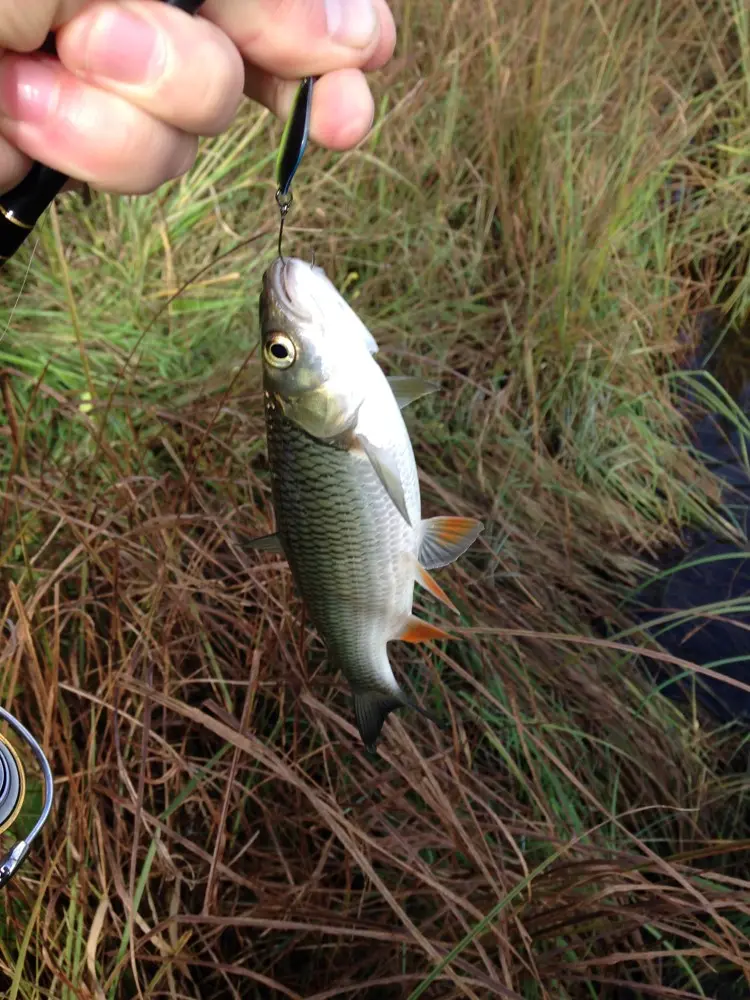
(280, 351)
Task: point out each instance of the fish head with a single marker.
(316, 351)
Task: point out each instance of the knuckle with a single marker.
(287, 35)
(138, 156)
(219, 92)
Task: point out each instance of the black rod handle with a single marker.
(22, 207)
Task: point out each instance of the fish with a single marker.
(345, 486)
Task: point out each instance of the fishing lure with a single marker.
(23, 206)
(292, 149)
(13, 792)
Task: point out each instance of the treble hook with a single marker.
(292, 149)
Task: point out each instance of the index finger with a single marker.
(24, 26)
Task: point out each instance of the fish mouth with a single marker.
(275, 281)
(278, 282)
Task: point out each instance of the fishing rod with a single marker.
(22, 207)
(20, 210)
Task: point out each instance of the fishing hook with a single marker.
(292, 149)
(284, 201)
(23, 206)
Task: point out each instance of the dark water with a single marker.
(710, 570)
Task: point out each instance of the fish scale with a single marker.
(345, 542)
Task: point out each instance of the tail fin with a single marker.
(372, 708)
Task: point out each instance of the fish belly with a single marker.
(350, 551)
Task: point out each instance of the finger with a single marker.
(386, 40)
(295, 38)
(24, 26)
(13, 165)
(180, 69)
(84, 131)
(342, 108)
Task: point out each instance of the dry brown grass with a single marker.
(218, 830)
(208, 773)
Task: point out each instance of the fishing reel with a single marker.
(13, 793)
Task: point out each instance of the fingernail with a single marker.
(29, 89)
(123, 47)
(351, 22)
(184, 159)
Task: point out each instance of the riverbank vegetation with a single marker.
(551, 198)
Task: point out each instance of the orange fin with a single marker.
(418, 631)
(429, 583)
(444, 539)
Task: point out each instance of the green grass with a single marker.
(510, 228)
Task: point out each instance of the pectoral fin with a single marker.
(429, 583)
(418, 631)
(387, 474)
(407, 388)
(444, 539)
(266, 543)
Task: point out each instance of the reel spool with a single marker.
(13, 792)
(12, 784)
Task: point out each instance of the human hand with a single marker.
(137, 82)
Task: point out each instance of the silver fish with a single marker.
(345, 485)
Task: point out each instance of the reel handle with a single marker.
(12, 861)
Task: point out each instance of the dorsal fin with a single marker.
(407, 388)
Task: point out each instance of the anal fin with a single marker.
(444, 539)
(417, 630)
(430, 583)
